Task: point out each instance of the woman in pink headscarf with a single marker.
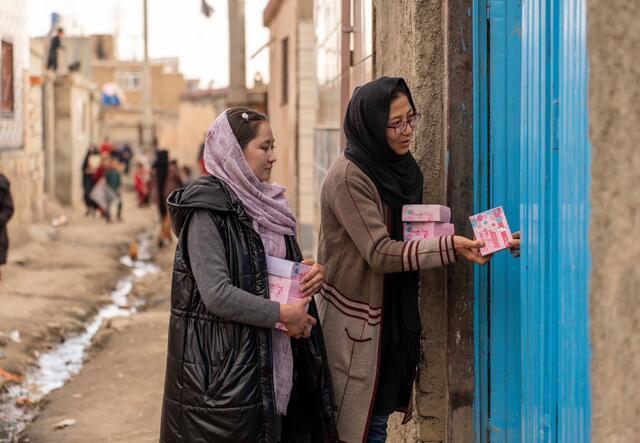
(231, 375)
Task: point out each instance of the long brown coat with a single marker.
(356, 250)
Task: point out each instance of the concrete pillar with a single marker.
(49, 117)
(429, 44)
(237, 69)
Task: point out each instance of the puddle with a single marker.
(56, 367)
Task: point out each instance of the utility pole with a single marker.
(147, 107)
(237, 69)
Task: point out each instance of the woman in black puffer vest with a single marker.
(230, 376)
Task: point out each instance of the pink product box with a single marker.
(426, 213)
(284, 291)
(491, 227)
(286, 268)
(420, 230)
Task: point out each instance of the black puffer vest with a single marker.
(219, 378)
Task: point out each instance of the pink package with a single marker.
(284, 291)
(420, 230)
(426, 213)
(492, 228)
(285, 268)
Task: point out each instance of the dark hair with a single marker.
(398, 91)
(245, 123)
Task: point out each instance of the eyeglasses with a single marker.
(400, 127)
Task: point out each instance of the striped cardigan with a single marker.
(356, 250)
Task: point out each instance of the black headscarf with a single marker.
(399, 181)
(397, 177)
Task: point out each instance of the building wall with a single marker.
(195, 118)
(35, 131)
(165, 87)
(123, 123)
(283, 115)
(73, 96)
(306, 109)
(77, 48)
(429, 44)
(330, 76)
(614, 112)
(21, 157)
(327, 128)
(13, 29)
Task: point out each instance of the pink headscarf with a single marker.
(272, 219)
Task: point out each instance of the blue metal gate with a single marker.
(533, 157)
(498, 183)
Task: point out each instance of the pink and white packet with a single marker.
(426, 221)
(426, 213)
(284, 281)
(492, 228)
(420, 230)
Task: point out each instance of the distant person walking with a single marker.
(126, 154)
(114, 181)
(172, 183)
(160, 172)
(6, 212)
(89, 166)
(141, 183)
(203, 169)
(56, 45)
(186, 176)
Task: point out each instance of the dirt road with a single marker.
(53, 286)
(117, 396)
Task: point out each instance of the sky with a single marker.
(176, 28)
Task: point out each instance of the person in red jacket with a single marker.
(141, 184)
(106, 147)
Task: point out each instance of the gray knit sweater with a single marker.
(209, 267)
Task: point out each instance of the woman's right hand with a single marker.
(470, 249)
(514, 245)
(295, 318)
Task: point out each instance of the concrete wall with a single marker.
(123, 124)
(614, 113)
(283, 115)
(21, 156)
(73, 128)
(13, 30)
(166, 87)
(330, 76)
(327, 128)
(306, 107)
(195, 117)
(293, 122)
(429, 44)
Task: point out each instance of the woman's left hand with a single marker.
(312, 280)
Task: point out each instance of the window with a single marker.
(129, 80)
(285, 71)
(6, 78)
